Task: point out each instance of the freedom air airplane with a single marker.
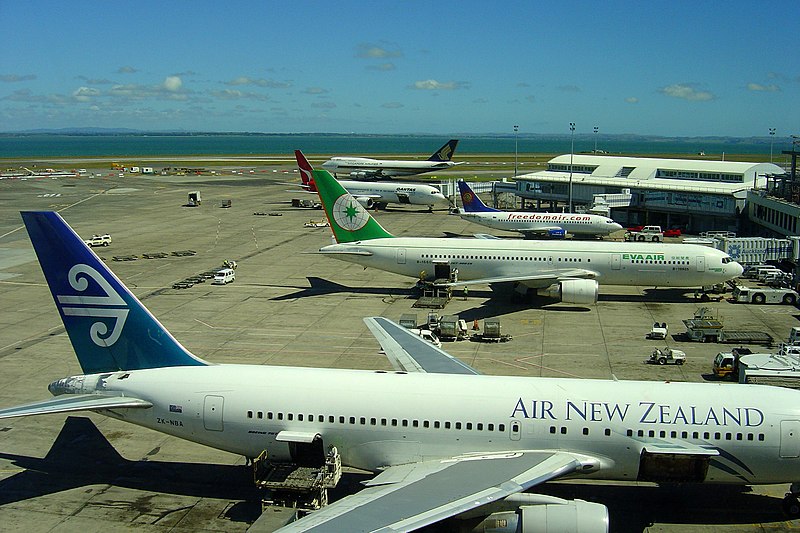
(529, 223)
(568, 270)
(443, 439)
(376, 194)
(366, 168)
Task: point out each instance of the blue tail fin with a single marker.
(445, 153)
(109, 327)
(472, 204)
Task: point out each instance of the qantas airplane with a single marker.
(366, 168)
(569, 270)
(442, 438)
(378, 194)
(529, 223)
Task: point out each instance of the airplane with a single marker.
(567, 270)
(366, 168)
(530, 223)
(442, 438)
(377, 194)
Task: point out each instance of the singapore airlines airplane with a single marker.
(442, 438)
(569, 270)
(366, 168)
(376, 194)
(529, 223)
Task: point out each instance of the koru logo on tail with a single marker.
(349, 214)
(110, 306)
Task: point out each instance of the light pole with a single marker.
(516, 129)
(771, 137)
(596, 129)
(571, 151)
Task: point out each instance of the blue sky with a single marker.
(663, 68)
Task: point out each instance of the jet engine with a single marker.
(573, 291)
(365, 201)
(576, 516)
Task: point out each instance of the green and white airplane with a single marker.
(568, 270)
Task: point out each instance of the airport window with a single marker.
(629, 433)
(299, 417)
(761, 437)
(695, 434)
(552, 429)
(341, 420)
(728, 436)
(436, 424)
(706, 435)
(585, 431)
(717, 436)
(260, 415)
(490, 427)
(447, 425)
(458, 425)
(749, 436)
(651, 433)
(415, 423)
(563, 430)
(405, 423)
(684, 434)
(501, 428)
(321, 418)
(331, 419)
(249, 414)
(469, 425)
(363, 421)
(640, 433)
(310, 418)
(373, 421)
(479, 426)
(269, 415)
(607, 432)
(738, 436)
(289, 416)
(394, 422)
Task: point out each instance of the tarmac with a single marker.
(290, 306)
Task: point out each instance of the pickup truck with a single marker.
(647, 233)
(98, 240)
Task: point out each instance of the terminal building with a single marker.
(693, 195)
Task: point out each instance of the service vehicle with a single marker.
(705, 326)
(667, 355)
(647, 233)
(726, 364)
(764, 295)
(658, 331)
(99, 240)
(224, 276)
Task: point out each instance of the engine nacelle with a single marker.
(359, 175)
(576, 516)
(573, 291)
(365, 201)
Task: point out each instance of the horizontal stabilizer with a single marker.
(68, 403)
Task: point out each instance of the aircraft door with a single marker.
(790, 438)
(212, 413)
(701, 263)
(401, 256)
(515, 430)
(616, 261)
(403, 198)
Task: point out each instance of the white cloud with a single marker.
(375, 51)
(85, 94)
(632, 100)
(772, 88)
(259, 82)
(433, 85)
(126, 70)
(687, 91)
(172, 83)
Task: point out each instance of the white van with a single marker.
(224, 276)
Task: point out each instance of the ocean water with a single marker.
(61, 145)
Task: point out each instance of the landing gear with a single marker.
(791, 504)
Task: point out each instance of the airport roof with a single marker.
(648, 173)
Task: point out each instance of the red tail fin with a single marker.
(305, 171)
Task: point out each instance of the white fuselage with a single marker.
(574, 223)
(614, 263)
(383, 167)
(379, 419)
(395, 193)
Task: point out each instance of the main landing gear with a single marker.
(791, 503)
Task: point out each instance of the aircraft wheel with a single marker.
(791, 506)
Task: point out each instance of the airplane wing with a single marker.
(407, 497)
(68, 403)
(399, 344)
(539, 281)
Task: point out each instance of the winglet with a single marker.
(349, 220)
(305, 171)
(445, 153)
(108, 326)
(472, 204)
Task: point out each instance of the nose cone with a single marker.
(440, 199)
(734, 269)
(615, 227)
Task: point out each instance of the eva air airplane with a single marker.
(442, 439)
(568, 270)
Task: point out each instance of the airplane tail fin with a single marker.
(472, 204)
(445, 153)
(305, 171)
(108, 326)
(348, 219)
